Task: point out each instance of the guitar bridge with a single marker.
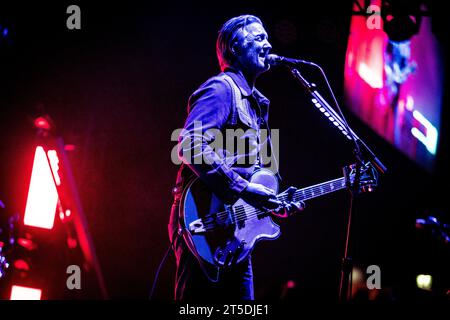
(197, 226)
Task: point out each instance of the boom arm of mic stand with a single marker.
(324, 107)
(345, 288)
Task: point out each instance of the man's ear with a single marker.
(235, 49)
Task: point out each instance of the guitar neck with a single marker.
(319, 189)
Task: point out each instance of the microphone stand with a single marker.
(345, 288)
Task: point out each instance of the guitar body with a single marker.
(225, 234)
(220, 234)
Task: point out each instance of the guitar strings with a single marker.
(254, 212)
(307, 194)
(242, 214)
(248, 212)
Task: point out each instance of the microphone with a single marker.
(275, 60)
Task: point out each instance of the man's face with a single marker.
(252, 49)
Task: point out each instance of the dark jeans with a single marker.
(191, 283)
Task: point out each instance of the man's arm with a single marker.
(209, 109)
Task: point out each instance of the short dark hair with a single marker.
(227, 35)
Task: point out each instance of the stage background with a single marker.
(117, 88)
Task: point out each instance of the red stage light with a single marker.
(291, 284)
(42, 123)
(54, 163)
(42, 194)
(69, 147)
(25, 293)
(27, 243)
(21, 265)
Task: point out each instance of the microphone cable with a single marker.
(171, 247)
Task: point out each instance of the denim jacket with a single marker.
(224, 105)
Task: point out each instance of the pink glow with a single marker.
(25, 293)
(374, 78)
(42, 194)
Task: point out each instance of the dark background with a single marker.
(117, 88)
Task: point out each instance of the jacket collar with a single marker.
(243, 86)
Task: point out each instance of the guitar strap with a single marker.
(237, 100)
(238, 103)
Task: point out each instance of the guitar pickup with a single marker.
(197, 226)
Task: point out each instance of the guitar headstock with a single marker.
(368, 176)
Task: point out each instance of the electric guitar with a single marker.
(224, 234)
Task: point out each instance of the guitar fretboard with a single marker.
(241, 213)
(317, 190)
